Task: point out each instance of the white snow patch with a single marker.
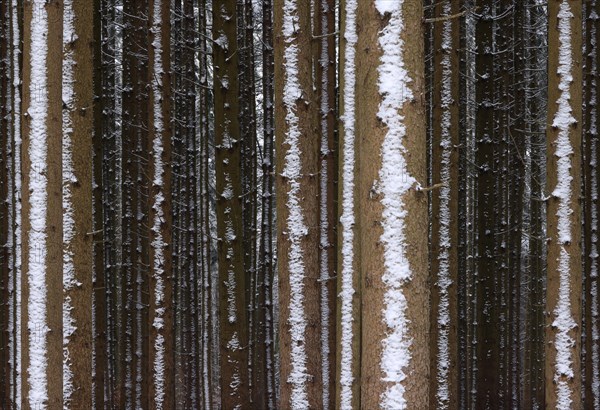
(38, 198)
(295, 225)
(563, 120)
(394, 183)
(347, 218)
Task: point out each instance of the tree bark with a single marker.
(564, 133)
(78, 126)
(394, 274)
(42, 206)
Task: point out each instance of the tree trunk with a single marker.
(42, 206)
(161, 326)
(232, 278)
(563, 322)
(78, 125)
(296, 118)
(393, 209)
(444, 210)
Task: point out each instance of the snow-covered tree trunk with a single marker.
(563, 307)
(444, 211)
(392, 220)
(591, 155)
(6, 170)
(161, 381)
(42, 285)
(348, 358)
(296, 114)
(78, 123)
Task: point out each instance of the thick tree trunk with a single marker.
(296, 118)
(393, 210)
(232, 278)
(563, 306)
(78, 125)
(42, 207)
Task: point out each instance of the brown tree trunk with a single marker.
(42, 206)
(232, 278)
(78, 126)
(296, 119)
(563, 306)
(393, 211)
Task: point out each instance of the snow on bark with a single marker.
(347, 218)
(394, 182)
(444, 280)
(563, 119)
(38, 204)
(69, 281)
(593, 253)
(158, 244)
(16, 49)
(295, 224)
(324, 218)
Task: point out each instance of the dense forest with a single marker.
(299, 204)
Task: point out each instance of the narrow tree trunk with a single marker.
(444, 211)
(264, 315)
(161, 380)
(591, 359)
(5, 217)
(325, 83)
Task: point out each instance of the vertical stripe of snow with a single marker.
(38, 198)
(295, 224)
(563, 119)
(394, 183)
(444, 280)
(347, 217)
(69, 281)
(324, 179)
(158, 244)
(16, 46)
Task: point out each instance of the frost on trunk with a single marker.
(347, 339)
(295, 223)
(42, 215)
(564, 271)
(444, 207)
(394, 183)
(69, 178)
(37, 210)
(77, 96)
(160, 313)
(16, 194)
